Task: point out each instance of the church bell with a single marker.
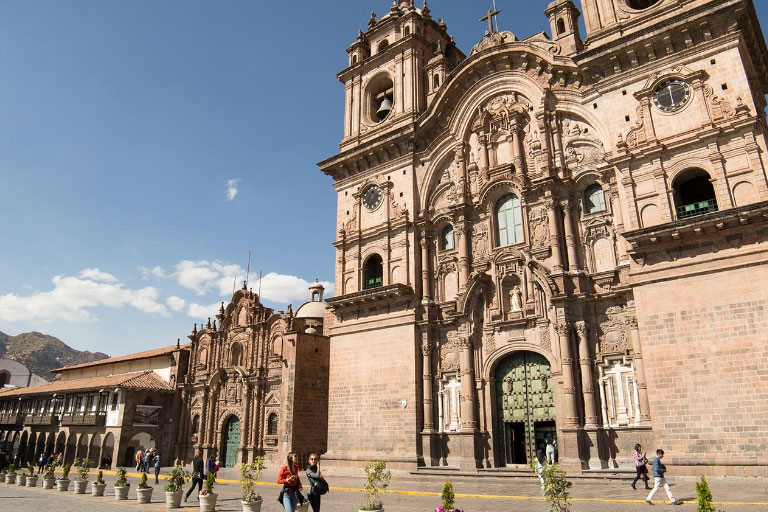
(384, 109)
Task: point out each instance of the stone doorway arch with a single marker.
(525, 406)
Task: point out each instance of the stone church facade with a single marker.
(257, 382)
(553, 236)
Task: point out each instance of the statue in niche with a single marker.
(516, 299)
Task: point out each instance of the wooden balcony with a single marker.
(15, 418)
(94, 419)
(41, 419)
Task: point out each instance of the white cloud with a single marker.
(156, 271)
(97, 275)
(232, 189)
(197, 311)
(284, 289)
(204, 276)
(72, 298)
(176, 303)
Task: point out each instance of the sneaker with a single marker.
(676, 502)
(649, 502)
(633, 486)
(186, 497)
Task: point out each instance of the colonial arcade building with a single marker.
(553, 236)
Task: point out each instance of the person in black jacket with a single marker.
(313, 475)
(197, 475)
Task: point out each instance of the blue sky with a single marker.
(146, 146)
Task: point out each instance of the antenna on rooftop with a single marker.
(234, 284)
(248, 272)
(259, 284)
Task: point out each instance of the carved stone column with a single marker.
(461, 231)
(426, 351)
(461, 165)
(468, 419)
(554, 236)
(569, 388)
(425, 267)
(516, 151)
(642, 386)
(587, 386)
(570, 238)
(483, 139)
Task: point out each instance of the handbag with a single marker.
(320, 486)
(280, 496)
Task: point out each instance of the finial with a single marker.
(395, 9)
(360, 36)
(221, 309)
(214, 325)
(372, 20)
(209, 323)
(194, 329)
(425, 11)
(442, 24)
(178, 342)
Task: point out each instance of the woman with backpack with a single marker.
(317, 484)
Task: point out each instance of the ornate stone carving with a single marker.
(636, 135)
(503, 112)
(581, 328)
(449, 353)
(631, 321)
(546, 342)
(613, 337)
(563, 328)
(480, 241)
(539, 227)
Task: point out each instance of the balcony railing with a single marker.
(90, 418)
(41, 419)
(373, 283)
(14, 418)
(694, 209)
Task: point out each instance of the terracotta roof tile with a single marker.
(128, 357)
(136, 380)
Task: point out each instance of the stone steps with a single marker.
(522, 471)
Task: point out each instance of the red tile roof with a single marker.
(136, 380)
(128, 357)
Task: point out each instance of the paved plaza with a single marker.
(416, 493)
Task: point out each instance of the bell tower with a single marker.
(385, 84)
(564, 22)
(607, 20)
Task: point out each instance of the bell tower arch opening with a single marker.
(525, 407)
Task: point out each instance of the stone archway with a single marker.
(525, 406)
(230, 441)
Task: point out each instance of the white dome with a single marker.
(314, 309)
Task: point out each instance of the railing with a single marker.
(90, 418)
(373, 283)
(694, 209)
(15, 418)
(41, 419)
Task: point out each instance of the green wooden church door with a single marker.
(525, 405)
(230, 442)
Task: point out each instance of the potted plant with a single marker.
(249, 475)
(2, 476)
(49, 476)
(378, 479)
(121, 485)
(447, 499)
(62, 484)
(175, 487)
(10, 476)
(31, 476)
(21, 479)
(83, 466)
(144, 492)
(207, 497)
(97, 487)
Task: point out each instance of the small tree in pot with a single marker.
(378, 479)
(31, 476)
(207, 497)
(144, 492)
(249, 475)
(49, 475)
(84, 465)
(174, 489)
(62, 484)
(447, 499)
(10, 476)
(121, 484)
(97, 487)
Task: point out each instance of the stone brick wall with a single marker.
(704, 342)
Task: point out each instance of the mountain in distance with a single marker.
(42, 353)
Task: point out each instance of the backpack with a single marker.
(320, 487)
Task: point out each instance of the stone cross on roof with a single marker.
(492, 13)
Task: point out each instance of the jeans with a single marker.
(314, 501)
(657, 483)
(289, 502)
(157, 473)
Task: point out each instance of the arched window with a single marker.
(446, 238)
(407, 31)
(560, 26)
(509, 219)
(383, 46)
(272, 424)
(148, 401)
(354, 59)
(594, 199)
(3, 379)
(196, 424)
(436, 82)
(641, 4)
(236, 352)
(374, 272)
(694, 194)
(203, 357)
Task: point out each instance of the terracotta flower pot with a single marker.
(252, 506)
(32, 481)
(80, 486)
(173, 499)
(208, 502)
(121, 493)
(49, 483)
(62, 485)
(144, 495)
(97, 489)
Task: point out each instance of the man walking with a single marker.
(659, 469)
(197, 474)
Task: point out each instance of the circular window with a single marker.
(672, 95)
(641, 4)
(372, 197)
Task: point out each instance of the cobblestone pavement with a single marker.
(412, 494)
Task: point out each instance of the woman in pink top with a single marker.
(640, 466)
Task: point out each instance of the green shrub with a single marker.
(249, 475)
(143, 482)
(100, 477)
(448, 497)
(210, 481)
(176, 478)
(122, 478)
(704, 496)
(50, 469)
(378, 479)
(11, 468)
(30, 470)
(65, 471)
(84, 465)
